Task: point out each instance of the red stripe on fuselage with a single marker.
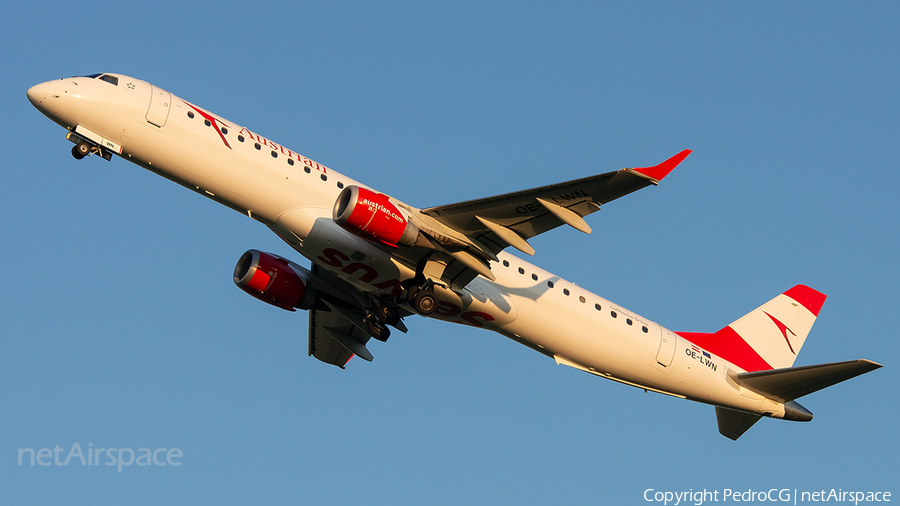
(729, 345)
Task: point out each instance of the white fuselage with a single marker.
(294, 196)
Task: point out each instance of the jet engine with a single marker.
(373, 215)
(274, 280)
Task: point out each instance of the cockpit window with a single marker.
(105, 77)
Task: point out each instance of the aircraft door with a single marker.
(666, 348)
(160, 101)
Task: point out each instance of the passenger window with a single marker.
(645, 329)
(566, 291)
(613, 314)
(581, 299)
(628, 321)
(597, 307)
(505, 263)
(521, 270)
(290, 161)
(550, 284)
(534, 277)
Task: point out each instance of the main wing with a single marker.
(513, 218)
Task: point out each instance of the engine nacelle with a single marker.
(373, 216)
(274, 280)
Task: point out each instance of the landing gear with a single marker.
(424, 302)
(378, 329)
(387, 315)
(81, 150)
(422, 299)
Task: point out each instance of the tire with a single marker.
(424, 302)
(378, 330)
(81, 150)
(388, 315)
(411, 294)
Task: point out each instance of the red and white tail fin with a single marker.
(770, 336)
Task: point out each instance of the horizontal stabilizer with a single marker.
(795, 382)
(733, 424)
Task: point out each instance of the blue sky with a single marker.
(120, 325)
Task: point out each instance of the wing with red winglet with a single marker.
(513, 218)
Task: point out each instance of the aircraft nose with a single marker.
(39, 94)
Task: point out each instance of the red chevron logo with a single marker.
(213, 121)
(784, 330)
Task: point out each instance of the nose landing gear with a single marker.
(81, 150)
(84, 147)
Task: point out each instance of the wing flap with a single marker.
(336, 334)
(322, 345)
(566, 215)
(507, 235)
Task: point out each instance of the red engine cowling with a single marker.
(274, 280)
(361, 210)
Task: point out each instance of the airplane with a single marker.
(375, 260)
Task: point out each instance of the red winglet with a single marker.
(662, 170)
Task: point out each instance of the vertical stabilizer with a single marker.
(770, 336)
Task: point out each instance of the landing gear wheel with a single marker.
(424, 302)
(81, 150)
(388, 315)
(378, 330)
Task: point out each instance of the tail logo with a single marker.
(784, 330)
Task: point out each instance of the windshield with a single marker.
(105, 77)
